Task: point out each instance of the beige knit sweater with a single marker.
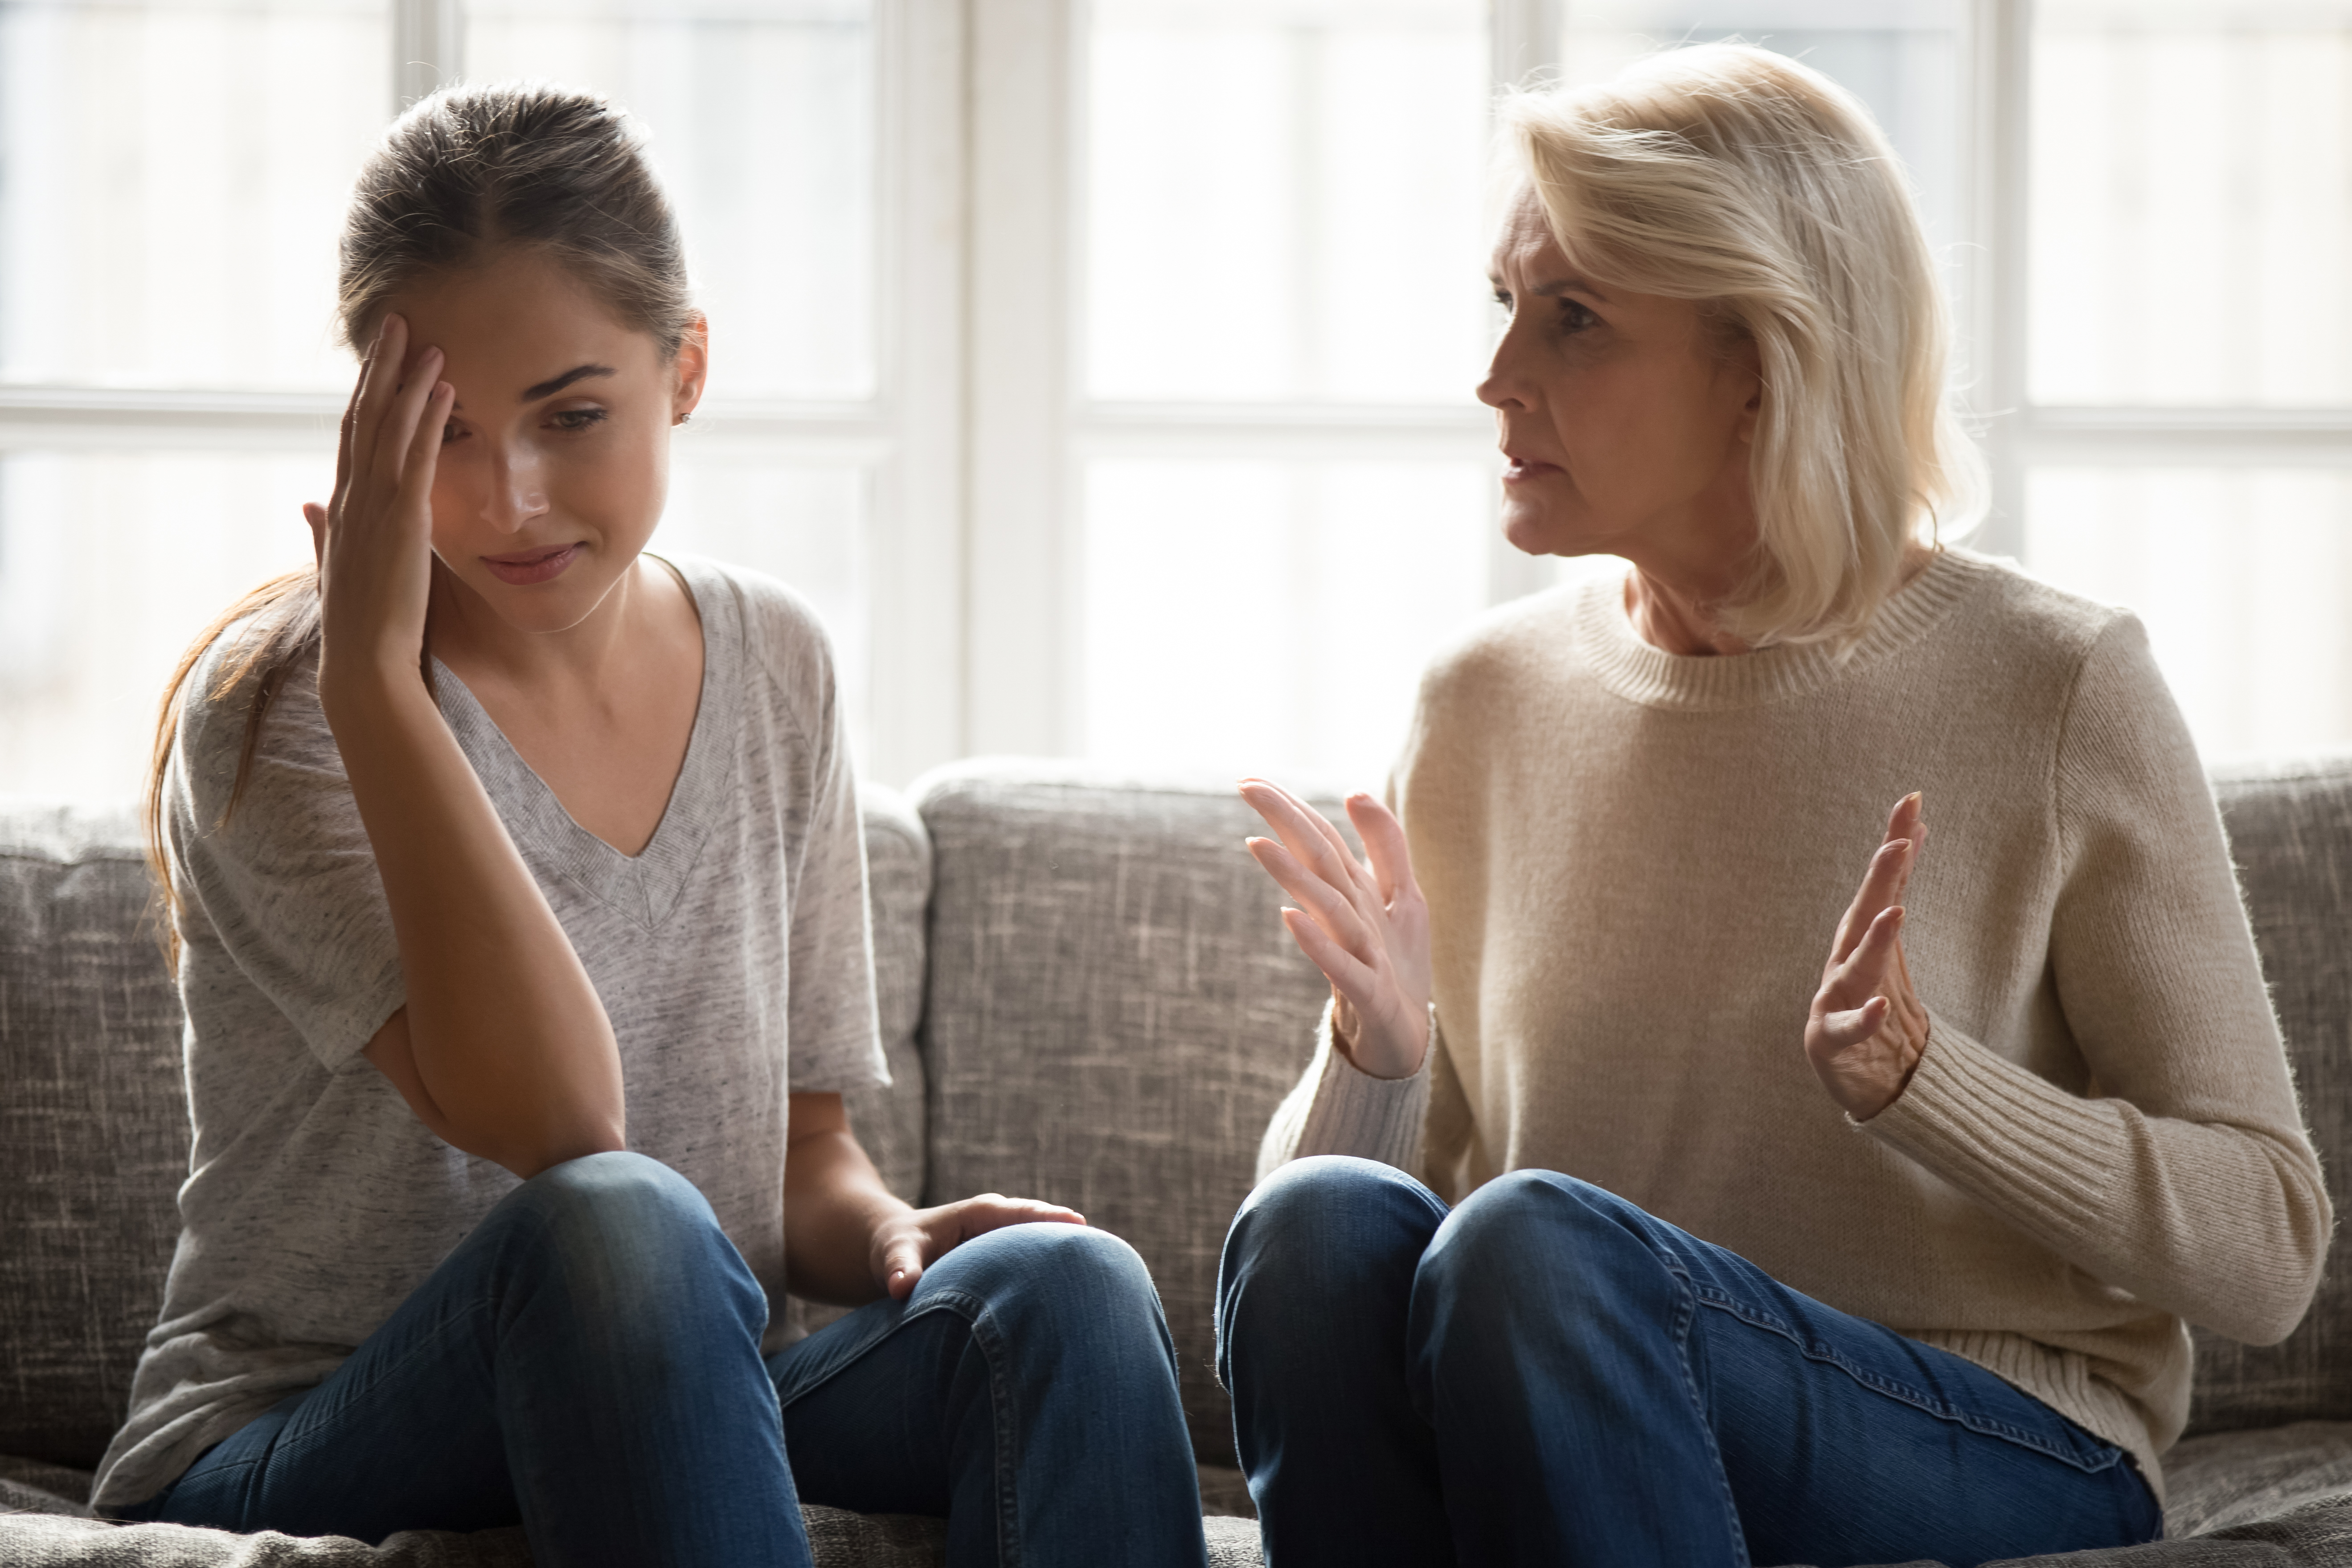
(1634, 862)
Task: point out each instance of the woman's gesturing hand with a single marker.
(912, 1241)
(1867, 1028)
(1367, 929)
(374, 540)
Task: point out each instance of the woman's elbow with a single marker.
(527, 1151)
(2276, 1288)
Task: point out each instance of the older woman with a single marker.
(1724, 1279)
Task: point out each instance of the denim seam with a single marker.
(1943, 1410)
(1686, 1314)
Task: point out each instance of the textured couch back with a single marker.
(2291, 832)
(94, 1127)
(1114, 1013)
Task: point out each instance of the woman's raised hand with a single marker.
(1867, 1028)
(1367, 928)
(374, 540)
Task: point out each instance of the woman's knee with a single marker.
(1539, 1237)
(1331, 1215)
(1068, 1296)
(1040, 1273)
(628, 1233)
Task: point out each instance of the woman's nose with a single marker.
(1504, 385)
(516, 493)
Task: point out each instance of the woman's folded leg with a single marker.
(1026, 1390)
(586, 1363)
(1312, 1297)
(1608, 1389)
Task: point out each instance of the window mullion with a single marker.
(427, 47)
(1994, 309)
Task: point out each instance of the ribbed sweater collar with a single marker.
(1634, 670)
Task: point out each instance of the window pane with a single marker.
(111, 562)
(1272, 617)
(1284, 200)
(1902, 58)
(762, 119)
(2191, 202)
(805, 524)
(175, 178)
(2243, 576)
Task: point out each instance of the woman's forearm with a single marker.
(836, 1203)
(507, 1035)
(2225, 1225)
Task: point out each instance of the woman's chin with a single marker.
(1537, 531)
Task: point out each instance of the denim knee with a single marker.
(1066, 1282)
(1324, 1212)
(632, 1240)
(1323, 1235)
(1536, 1236)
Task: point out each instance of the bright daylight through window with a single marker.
(1103, 371)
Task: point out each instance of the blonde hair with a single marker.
(1740, 179)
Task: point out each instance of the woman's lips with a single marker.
(1525, 469)
(531, 566)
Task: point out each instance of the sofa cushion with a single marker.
(1115, 1011)
(889, 1121)
(2290, 833)
(94, 1128)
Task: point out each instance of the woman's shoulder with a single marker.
(781, 630)
(216, 701)
(1523, 635)
(1998, 590)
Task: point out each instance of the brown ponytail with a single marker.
(463, 172)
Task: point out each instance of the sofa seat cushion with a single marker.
(45, 1522)
(2230, 1479)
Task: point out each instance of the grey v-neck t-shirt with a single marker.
(733, 956)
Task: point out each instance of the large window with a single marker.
(1102, 369)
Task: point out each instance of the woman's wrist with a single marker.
(1391, 1058)
(371, 694)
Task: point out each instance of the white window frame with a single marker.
(1033, 431)
(2020, 435)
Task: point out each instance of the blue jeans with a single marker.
(1548, 1375)
(587, 1364)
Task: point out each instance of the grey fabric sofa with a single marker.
(1086, 997)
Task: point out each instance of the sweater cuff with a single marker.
(1355, 1113)
(2004, 1135)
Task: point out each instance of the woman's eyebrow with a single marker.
(1554, 290)
(554, 384)
(1570, 285)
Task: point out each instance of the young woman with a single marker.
(1724, 1281)
(520, 907)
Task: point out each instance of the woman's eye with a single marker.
(449, 432)
(577, 419)
(1575, 317)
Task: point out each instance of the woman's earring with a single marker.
(684, 418)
